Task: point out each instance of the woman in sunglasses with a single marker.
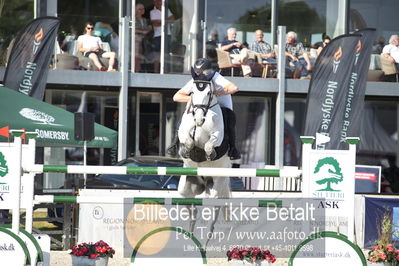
(326, 40)
(92, 47)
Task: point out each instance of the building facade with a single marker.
(150, 117)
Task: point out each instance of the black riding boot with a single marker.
(234, 154)
(174, 146)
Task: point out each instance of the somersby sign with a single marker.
(54, 125)
(39, 117)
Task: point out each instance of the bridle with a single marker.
(204, 107)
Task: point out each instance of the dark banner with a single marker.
(376, 208)
(28, 65)
(328, 90)
(354, 100)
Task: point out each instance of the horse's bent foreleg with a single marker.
(215, 140)
(186, 141)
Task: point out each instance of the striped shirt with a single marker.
(261, 47)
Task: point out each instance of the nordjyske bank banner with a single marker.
(336, 91)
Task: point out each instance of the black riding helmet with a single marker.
(202, 72)
(201, 65)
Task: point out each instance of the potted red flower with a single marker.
(384, 252)
(92, 253)
(250, 256)
(383, 255)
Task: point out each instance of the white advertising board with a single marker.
(329, 178)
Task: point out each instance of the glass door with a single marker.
(149, 136)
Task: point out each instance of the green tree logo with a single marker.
(3, 165)
(329, 168)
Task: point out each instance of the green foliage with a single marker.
(298, 16)
(385, 233)
(14, 15)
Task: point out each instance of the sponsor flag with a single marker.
(28, 65)
(328, 90)
(354, 100)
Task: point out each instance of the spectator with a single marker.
(378, 45)
(69, 38)
(156, 16)
(107, 34)
(142, 29)
(319, 44)
(298, 58)
(391, 50)
(326, 41)
(238, 53)
(263, 48)
(211, 45)
(92, 48)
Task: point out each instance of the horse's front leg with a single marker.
(210, 145)
(186, 141)
(216, 136)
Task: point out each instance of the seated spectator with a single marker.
(107, 34)
(391, 50)
(92, 48)
(155, 16)
(238, 53)
(69, 38)
(319, 44)
(378, 45)
(326, 41)
(211, 45)
(142, 29)
(298, 58)
(262, 48)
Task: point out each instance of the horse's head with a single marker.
(203, 96)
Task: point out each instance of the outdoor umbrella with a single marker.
(55, 126)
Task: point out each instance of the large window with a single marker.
(310, 19)
(75, 13)
(381, 15)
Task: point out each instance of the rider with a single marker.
(202, 68)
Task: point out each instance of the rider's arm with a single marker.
(229, 88)
(181, 96)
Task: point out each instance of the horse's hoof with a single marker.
(212, 156)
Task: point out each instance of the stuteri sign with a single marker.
(329, 178)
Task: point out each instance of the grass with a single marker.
(43, 225)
